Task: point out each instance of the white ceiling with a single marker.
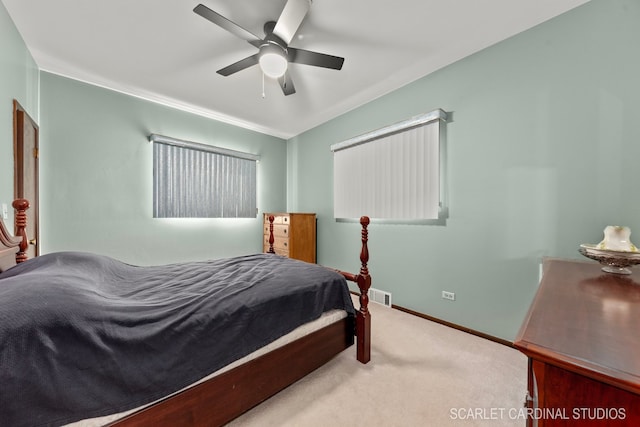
(164, 52)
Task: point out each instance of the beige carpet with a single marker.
(421, 374)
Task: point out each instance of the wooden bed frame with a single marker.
(226, 396)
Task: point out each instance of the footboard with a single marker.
(21, 206)
(9, 247)
(13, 248)
(363, 280)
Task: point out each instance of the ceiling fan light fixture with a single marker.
(273, 60)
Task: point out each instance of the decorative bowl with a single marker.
(613, 261)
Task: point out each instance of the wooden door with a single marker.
(25, 146)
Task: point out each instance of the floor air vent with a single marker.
(381, 297)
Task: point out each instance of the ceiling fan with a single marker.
(274, 53)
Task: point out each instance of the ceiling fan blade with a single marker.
(301, 56)
(239, 66)
(291, 18)
(287, 84)
(223, 22)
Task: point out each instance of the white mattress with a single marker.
(325, 320)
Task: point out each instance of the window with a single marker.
(192, 180)
(393, 173)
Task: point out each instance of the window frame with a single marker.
(224, 177)
(438, 117)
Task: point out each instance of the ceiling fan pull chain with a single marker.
(263, 95)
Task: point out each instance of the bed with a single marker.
(86, 339)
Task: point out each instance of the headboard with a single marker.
(13, 248)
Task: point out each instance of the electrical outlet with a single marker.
(449, 295)
(5, 211)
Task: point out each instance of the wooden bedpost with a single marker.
(363, 317)
(271, 239)
(21, 206)
(363, 280)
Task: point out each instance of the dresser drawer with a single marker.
(281, 227)
(281, 231)
(277, 219)
(281, 251)
(280, 246)
(278, 230)
(279, 241)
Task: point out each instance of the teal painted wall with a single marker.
(543, 148)
(19, 80)
(96, 177)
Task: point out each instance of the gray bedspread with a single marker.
(83, 335)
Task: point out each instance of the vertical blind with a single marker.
(391, 173)
(192, 180)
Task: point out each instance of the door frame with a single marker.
(20, 117)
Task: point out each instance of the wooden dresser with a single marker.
(582, 338)
(294, 235)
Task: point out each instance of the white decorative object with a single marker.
(616, 252)
(617, 238)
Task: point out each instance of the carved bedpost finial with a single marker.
(21, 206)
(364, 280)
(364, 254)
(271, 239)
